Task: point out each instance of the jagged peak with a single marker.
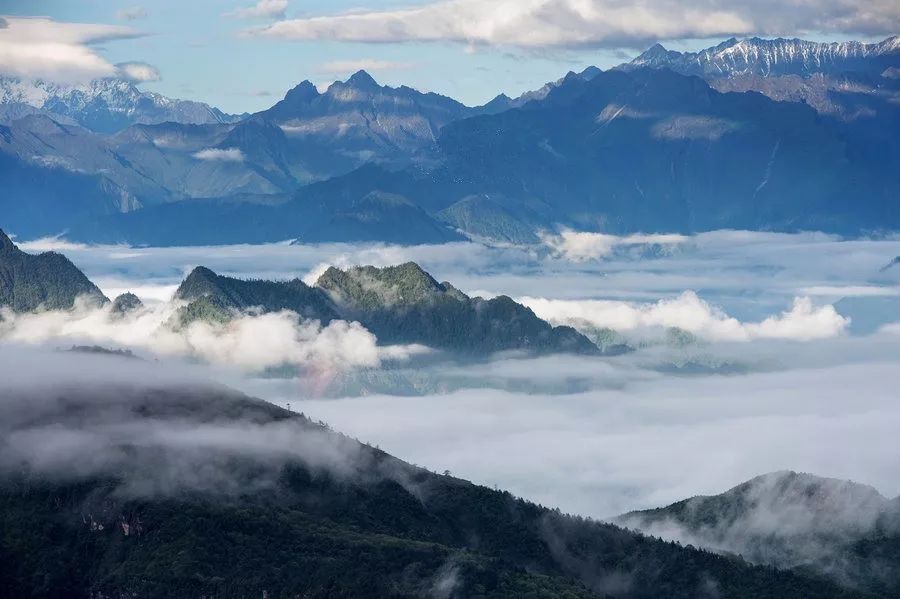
(361, 79)
(199, 282)
(5, 241)
(302, 92)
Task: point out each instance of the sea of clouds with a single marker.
(790, 363)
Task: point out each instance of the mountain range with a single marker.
(847, 79)
(669, 142)
(194, 490)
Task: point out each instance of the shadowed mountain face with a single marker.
(186, 490)
(843, 530)
(46, 281)
(399, 304)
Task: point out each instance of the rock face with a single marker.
(399, 304)
(47, 281)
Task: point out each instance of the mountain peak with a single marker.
(302, 92)
(361, 79)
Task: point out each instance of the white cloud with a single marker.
(266, 9)
(580, 246)
(132, 14)
(802, 322)
(220, 154)
(250, 342)
(339, 67)
(570, 23)
(138, 72)
(39, 47)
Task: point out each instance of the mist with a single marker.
(779, 360)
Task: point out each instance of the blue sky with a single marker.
(202, 54)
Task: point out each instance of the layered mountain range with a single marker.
(662, 143)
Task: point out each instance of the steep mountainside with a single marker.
(216, 297)
(404, 304)
(46, 281)
(106, 105)
(836, 528)
(197, 491)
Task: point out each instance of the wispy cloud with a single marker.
(220, 155)
(572, 23)
(138, 72)
(134, 13)
(264, 9)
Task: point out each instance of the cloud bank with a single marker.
(580, 246)
(220, 155)
(596, 23)
(249, 342)
(802, 322)
(39, 47)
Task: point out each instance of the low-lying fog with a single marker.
(786, 356)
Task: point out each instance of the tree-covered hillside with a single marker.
(46, 281)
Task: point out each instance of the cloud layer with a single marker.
(802, 322)
(220, 155)
(572, 23)
(249, 342)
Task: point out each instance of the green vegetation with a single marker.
(216, 298)
(47, 281)
(399, 304)
(404, 304)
